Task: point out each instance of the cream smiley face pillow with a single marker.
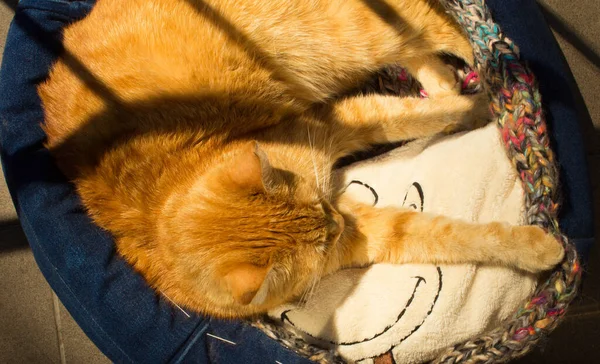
(409, 313)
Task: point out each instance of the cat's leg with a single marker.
(398, 236)
(434, 33)
(375, 119)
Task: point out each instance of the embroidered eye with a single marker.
(366, 193)
(414, 198)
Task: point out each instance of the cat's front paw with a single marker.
(538, 251)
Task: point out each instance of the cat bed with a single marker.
(130, 323)
(416, 313)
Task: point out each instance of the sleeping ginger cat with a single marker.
(202, 135)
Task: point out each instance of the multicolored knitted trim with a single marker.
(517, 107)
(516, 104)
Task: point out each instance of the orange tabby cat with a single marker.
(202, 135)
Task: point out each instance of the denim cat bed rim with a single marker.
(517, 111)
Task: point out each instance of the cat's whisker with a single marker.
(304, 296)
(311, 290)
(325, 179)
(328, 169)
(221, 339)
(313, 287)
(176, 305)
(301, 301)
(312, 156)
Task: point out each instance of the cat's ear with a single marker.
(252, 169)
(249, 284)
(266, 171)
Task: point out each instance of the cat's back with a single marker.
(138, 50)
(126, 51)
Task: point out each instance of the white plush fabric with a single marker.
(410, 313)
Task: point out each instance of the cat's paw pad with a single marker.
(541, 251)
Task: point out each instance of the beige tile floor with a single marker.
(35, 328)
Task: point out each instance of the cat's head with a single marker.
(252, 236)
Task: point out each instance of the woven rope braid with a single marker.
(516, 104)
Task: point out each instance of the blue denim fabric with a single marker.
(111, 302)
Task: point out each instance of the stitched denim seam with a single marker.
(180, 356)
